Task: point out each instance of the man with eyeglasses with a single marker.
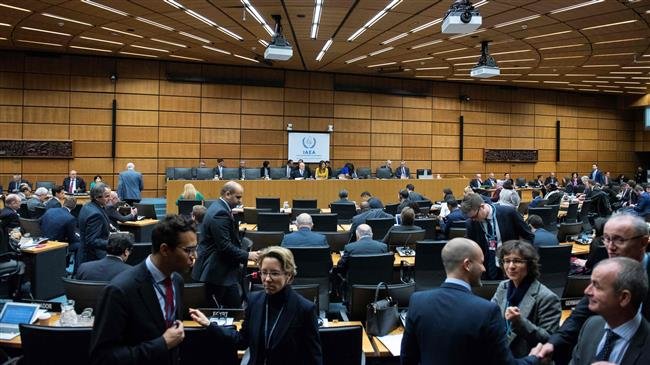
(139, 313)
(221, 256)
(625, 235)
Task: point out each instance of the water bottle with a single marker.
(68, 314)
(285, 206)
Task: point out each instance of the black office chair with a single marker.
(404, 238)
(314, 265)
(571, 213)
(487, 289)
(85, 293)
(250, 214)
(304, 203)
(204, 173)
(583, 215)
(185, 206)
(362, 295)
(263, 240)
(230, 173)
(169, 173)
(273, 222)
(49, 185)
(382, 173)
(523, 208)
(23, 211)
(31, 226)
(429, 226)
(139, 253)
(391, 208)
(337, 240)
(295, 212)
(194, 296)
(379, 226)
(341, 345)
(200, 348)
(554, 266)
(55, 345)
(370, 269)
(520, 182)
(546, 213)
(252, 173)
(455, 232)
(429, 271)
(183, 173)
(325, 222)
(345, 211)
(38, 212)
(574, 290)
(567, 230)
(278, 173)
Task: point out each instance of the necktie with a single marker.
(169, 302)
(604, 353)
(71, 186)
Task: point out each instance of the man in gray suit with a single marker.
(304, 237)
(364, 245)
(129, 184)
(619, 334)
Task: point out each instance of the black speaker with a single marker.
(113, 127)
(460, 144)
(557, 140)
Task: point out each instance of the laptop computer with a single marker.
(14, 314)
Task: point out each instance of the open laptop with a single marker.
(146, 211)
(14, 314)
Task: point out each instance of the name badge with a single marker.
(492, 245)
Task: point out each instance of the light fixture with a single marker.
(104, 7)
(216, 50)
(66, 19)
(139, 54)
(521, 20)
(122, 32)
(186, 58)
(101, 40)
(168, 42)
(46, 31)
(461, 18)
(576, 6)
(548, 34)
(92, 49)
(330, 128)
(326, 47)
(155, 24)
(610, 24)
(15, 8)
(315, 22)
(190, 35)
(486, 66)
(373, 20)
(256, 15)
(290, 126)
(150, 48)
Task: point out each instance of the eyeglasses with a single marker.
(516, 262)
(475, 215)
(189, 249)
(272, 274)
(618, 240)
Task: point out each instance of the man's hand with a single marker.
(544, 351)
(513, 314)
(134, 212)
(253, 255)
(199, 317)
(174, 335)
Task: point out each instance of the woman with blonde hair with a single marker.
(190, 193)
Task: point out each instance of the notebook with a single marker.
(14, 314)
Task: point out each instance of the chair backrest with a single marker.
(404, 238)
(546, 213)
(364, 173)
(362, 295)
(49, 185)
(278, 173)
(568, 229)
(383, 173)
(520, 182)
(380, 226)
(270, 203)
(391, 208)
(204, 173)
(457, 232)
(275, 222)
(574, 290)
(263, 240)
(194, 296)
(295, 212)
(208, 202)
(422, 172)
(200, 348)
(429, 271)
(341, 345)
(252, 173)
(304, 203)
(169, 173)
(250, 215)
(337, 240)
(183, 173)
(185, 206)
(146, 210)
(571, 213)
(424, 203)
(31, 226)
(554, 265)
(24, 212)
(523, 208)
(370, 269)
(345, 211)
(429, 226)
(84, 293)
(312, 262)
(311, 292)
(139, 252)
(230, 173)
(55, 345)
(325, 222)
(487, 289)
(38, 212)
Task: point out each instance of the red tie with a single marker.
(169, 302)
(71, 186)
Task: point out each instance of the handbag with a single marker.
(382, 315)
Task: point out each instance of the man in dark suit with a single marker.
(304, 237)
(407, 223)
(402, 172)
(94, 226)
(218, 171)
(388, 165)
(551, 179)
(58, 196)
(301, 172)
(619, 334)
(343, 198)
(554, 196)
(404, 200)
(289, 168)
(117, 252)
(138, 314)
(221, 255)
(130, 184)
(9, 217)
(364, 245)
(489, 226)
(450, 325)
(367, 213)
(14, 184)
(455, 215)
(596, 175)
(58, 224)
(374, 202)
(74, 184)
(476, 182)
(114, 215)
(625, 235)
(413, 195)
(543, 237)
(242, 170)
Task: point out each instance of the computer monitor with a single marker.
(273, 204)
(146, 210)
(273, 222)
(325, 222)
(304, 203)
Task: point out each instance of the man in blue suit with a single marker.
(129, 184)
(450, 325)
(304, 237)
(94, 226)
(58, 224)
(117, 252)
(596, 175)
(543, 238)
(364, 245)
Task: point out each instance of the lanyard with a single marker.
(491, 232)
(267, 334)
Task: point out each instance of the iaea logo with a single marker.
(309, 142)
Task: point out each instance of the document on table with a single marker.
(392, 342)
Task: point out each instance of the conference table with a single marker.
(48, 262)
(141, 229)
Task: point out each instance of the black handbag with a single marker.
(382, 315)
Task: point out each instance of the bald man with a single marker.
(304, 237)
(450, 325)
(73, 183)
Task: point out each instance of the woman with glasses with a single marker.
(532, 312)
(280, 326)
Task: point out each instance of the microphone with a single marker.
(253, 275)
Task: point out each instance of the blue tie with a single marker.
(606, 351)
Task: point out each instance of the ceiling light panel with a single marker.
(105, 7)
(610, 24)
(315, 22)
(66, 19)
(101, 40)
(576, 6)
(391, 5)
(13, 7)
(92, 49)
(46, 31)
(258, 17)
(326, 47)
(155, 24)
(130, 34)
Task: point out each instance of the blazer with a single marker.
(263, 170)
(305, 174)
(554, 198)
(295, 340)
(53, 203)
(364, 246)
(129, 323)
(511, 227)
(398, 172)
(129, 185)
(475, 184)
(220, 252)
(15, 186)
(415, 196)
(94, 228)
(218, 172)
(304, 237)
(115, 216)
(638, 352)
(58, 224)
(597, 176)
(101, 270)
(445, 224)
(9, 219)
(642, 207)
(545, 238)
(360, 218)
(80, 184)
(540, 316)
(450, 325)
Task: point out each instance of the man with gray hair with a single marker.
(9, 218)
(304, 237)
(37, 200)
(618, 334)
(364, 245)
(449, 324)
(130, 184)
(94, 226)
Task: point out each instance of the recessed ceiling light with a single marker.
(564, 46)
(576, 6)
(318, 5)
(511, 52)
(459, 79)
(594, 66)
(580, 75)
(399, 36)
(258, 17)
(380, 51)
(229, 33)
(634, 67)
(427, 25)
(430, 76)
(620, 40)
(201, 18)
(374, 19)
(263, 42)
(155, 24)
(46, 31)
(149, 48)
(450, 50)
(92, 49)
(543, 75)
(501, 25)
(432, 68)
(246, 58)
(326, 47)
(527, 81)
(382, 64)
(418, 59)
(596, 81)
(104, 7)
(216, 49)
(139, 54)
(101, 40)
(610, 24)
(356, 59)
(626, 72)
(464, 64)
(518, 60)
(611, 77)
(561, 58)
(5, 25)
(190, 35)
(122, 32)
(43, 43)
(516, 68)
(548, 35)
(461, 58)
(15, 8)
(493, 80)
(185, 57)
(510, 75)
(613, 54)
(66, 19)
(627, 82)
(426, 44)
(635, 87)
(168, 42)
(555, 82)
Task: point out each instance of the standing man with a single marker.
(402, 172)
(596, 175)
(221, 255)
(129, 184)
(94, 226)
(451, 325)
(139, 312)
(218, 171)
(74, 184)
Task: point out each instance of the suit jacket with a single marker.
(597, 176)
(58, 224)
(450, 325)
(14, 186)
(551, 180)
(398, 172)
(129, 322)
(53, 203)
(400, 228)
(304, 237)
(511, 227)
(94, 228)
(129, 185)
(115, 216)
(642, 207)
(266, 170)
(296, 173)
(554, 198)
(638, 352)
(80, 185)
(364, 246)
(415, 196)
(101, 270)
(491, 181)
(34, 202)
(368, 214)
(219, 173)
(9, 219)
(375, 203)
(475, 184)
(456, 215)
(220, 253)
(295, 340)
(390, 169)
(540, 316)
(545, 238)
